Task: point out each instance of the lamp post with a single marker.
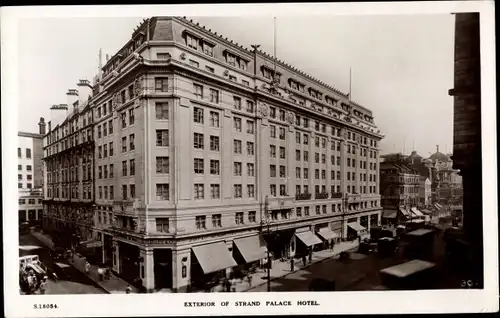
(267, 223)
(344, 208)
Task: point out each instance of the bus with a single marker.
(415, 274)
(419, 244)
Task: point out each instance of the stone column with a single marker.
(147, 269)
(116, 257)
(227, 153)
(292, 246)
(357, 168)
(181, 264)
(329, 168)
(262, 153)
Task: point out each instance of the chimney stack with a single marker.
(85, 91)
(72, 97)
(42, 126)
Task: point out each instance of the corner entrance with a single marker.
(163, 268)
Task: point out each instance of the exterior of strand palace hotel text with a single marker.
(187, 161)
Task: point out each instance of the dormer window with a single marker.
(269, 74)
(192, 41)
(235, 60)
(330, 100)
(208, 49)
(315, 94)
(231, 59)
(296, 85)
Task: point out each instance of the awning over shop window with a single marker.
(308, 238)
(327, 234)
(405, 212)
(416, 212)
(389, 214)
(356, 227)
(438, 206)
(213, 257)
(91, 244)
(425, 211)
(252, 248)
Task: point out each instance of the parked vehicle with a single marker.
(415, 274)
(367, 247)
(387, 246)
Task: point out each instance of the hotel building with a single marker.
(203, 161)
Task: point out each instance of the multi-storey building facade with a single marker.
(199, 152)
(30, 174)
(425, 191)
(68, 162)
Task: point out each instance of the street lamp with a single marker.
(267, 222)
(344, 208)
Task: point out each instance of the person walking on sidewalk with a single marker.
(249, 279)
(100, 271)
(87, 267)
(304, 260)
(310, 257)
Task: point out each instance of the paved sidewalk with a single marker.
(113, 285)
(281, 269)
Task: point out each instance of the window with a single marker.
(273, 151)
(237, 169)
(252, 216)
(214, 167)
(283, 190)
(233, 78)
(297, 155)
(28, 153)
(124, 144)
(111, 171)
(239, 218)
(273, 190)
(272, 171)
(198, 166)
(237, 103)
(306, 155)
(194, 63)
(214, 119)
(214, 96)
(198, 115)
(123, 117)
(104, 129)
(250, 148)
(250, 106)
(250, 169)
(323, 143)
(316, 157)
(161, 84)
(272, 112)
(214, 143)
(99, 133)
(282, 152)
(162, 225)
(250, 127)
(282, 171)
(251, 191)
(131, 117)
(132, 191)
(19, 185)
(306, 173)
(105, 171)
(198, 141)
(237, 124)
(199, 191)
(100, 172)
(237, 147)
(272, 131)
(19, 177)
(282, 133)
(124, 168)
(282, 115)
(215, 191)
(201, 222)
(124, 192)
(132, 167)
(323, 158)
(299, 212)
(297, 173)
(297, 137)
(306, 139)
(99, 152)
(162, 192)
(198, 91)
(209, 69)
(19, 167)
(323, 174)
(237, 191)
(110, 127)
(111, 149)
(324, 209)
(246, 83)
(316, 141)
(316, 174)
(161, 111)
(132, 141)
(19, 152)
(216, 220)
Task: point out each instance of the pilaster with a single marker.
(227, 154)
(116, 257)
(181, 270)
(147, 269)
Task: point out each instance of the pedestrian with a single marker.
(100, 271)
(43, 285)
(233, 287)
(310, 257)
(292, 267)
(228, 285)
(304, 260)
(128, 290)
(249, 278)
(87, 267)
(107, 274)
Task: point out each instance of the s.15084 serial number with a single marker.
(45, 306)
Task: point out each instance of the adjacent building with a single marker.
(425, 192)
(30, 174)
(201, 147)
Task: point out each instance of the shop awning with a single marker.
(252, 248)
(327, 234)
(389, 214)
(426, 211)
(405, 212)
(213, 257)
(356, 227)
(308, 238)
(416, 212)
(29, 247)
(438, 206)
(91, 244)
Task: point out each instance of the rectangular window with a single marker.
(272, 171)
(246, 83)
(306, 139)
(19, 152)
(132, 167)
(162, 192)
(214, 96)
(282, 171)
(250, 127)
(199, 166)
(273, 151)
(124, 168)
(199, 191)
(162, 225)
(123, 117)
(237, 147)
(194, 63)
(162, 56)
(198, 141)
(238, 218)
(237, 103)
(124, 144)
(297, 173)
(198, 115)
(132, 141)
(198, 91)
(297, 155)
(282, 152)
(214, 143)
(273, 190)
(217, 220)
(111, 149)
(250, 169)
(131, 117)
(161, 84)
(237, 124)
(251, 190)
(238, 191)
(283, 190)
(104, 130)
(250, 148)
(215, 191)
(161, 111)
(214, 119)
(214, 167)
(272, 131)
(297, 137)
(237, 169)
(252, 216)
(201, 222)
(162, 165)
(110, 127)
(282, 133)
(124, 192)
(209, 69)
(132, 191)
(250, 106)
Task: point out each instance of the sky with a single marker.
(402, 65)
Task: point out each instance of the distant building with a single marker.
(446, 182)
(30, 174)
(425, 191)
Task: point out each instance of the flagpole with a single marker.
(350, 83)
(274, 74)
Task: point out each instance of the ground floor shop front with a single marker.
(189, 264)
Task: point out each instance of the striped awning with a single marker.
(389, 214)
(417, 212)
(308, 238)
(327, 234)
(405, 212)
(438, 206)
(213, 257)
(251, 248)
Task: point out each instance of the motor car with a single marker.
(367, 247)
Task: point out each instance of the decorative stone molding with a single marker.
(226, 73)
(290, 118)
(183, 56)
(115, 100)
(263, 110)
(137, 87)
(227, 113)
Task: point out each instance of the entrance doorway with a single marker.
(163, 268)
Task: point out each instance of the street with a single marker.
(74, 281)
(361, 272)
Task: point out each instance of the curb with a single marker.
(292, 272)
